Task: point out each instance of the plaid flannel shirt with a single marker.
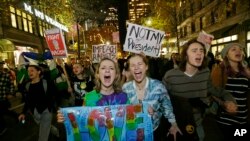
(6, 85)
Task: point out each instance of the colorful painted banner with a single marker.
(102, 51)
(56, 43)
(108, 123)
(143, 39)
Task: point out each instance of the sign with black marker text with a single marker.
(103, 51)
(143, 39)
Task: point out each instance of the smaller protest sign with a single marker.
(103, 51)
(56, 43)
(108, 123)
(115, 36)
(206, 39)
(143, 39)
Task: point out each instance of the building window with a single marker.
(191, 8)
(218, 44)
(30, 24)
(212, 18)
(214, 49)
(219, 41)
(13, 17)
(19, 19)
(197, 25)
(184, 14)
(216, 17)
(227, 39)
(203, 22)
(199, 5)
(40, 25)
(230, 8)
(25, 22)
(185, 30)
(248, 35)
(181, 32)
(248, 49)
(193, 27)
(220, 48)
(248, 44)
(234, 37)
(180, 17)
(189, 30)
(214, 42)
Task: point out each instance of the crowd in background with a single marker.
(69, 84)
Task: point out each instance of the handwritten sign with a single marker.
(143, 39)
(103, 51)
(56, 43)
(108, 123)
(206, 39)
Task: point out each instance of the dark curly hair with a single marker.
(185, 47)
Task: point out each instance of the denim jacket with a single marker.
(156, 96)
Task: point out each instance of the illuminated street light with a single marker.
(149, 22)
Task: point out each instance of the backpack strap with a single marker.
(27, 86)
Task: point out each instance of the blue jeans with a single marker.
(44, 121)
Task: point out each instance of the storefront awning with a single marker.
(6, 45)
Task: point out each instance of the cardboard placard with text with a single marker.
(56, 42)
(103, 51)
(206, 39)
(143, 39)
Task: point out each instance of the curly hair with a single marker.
(183, 55)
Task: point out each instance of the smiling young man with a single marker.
(188, 85)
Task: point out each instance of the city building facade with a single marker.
(23, 26)
(227, 20)
(107, 33)
(138, 9)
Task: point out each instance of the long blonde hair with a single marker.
(117, 81)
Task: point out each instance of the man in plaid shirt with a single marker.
(6, 92)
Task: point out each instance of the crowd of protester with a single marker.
(179, 90)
